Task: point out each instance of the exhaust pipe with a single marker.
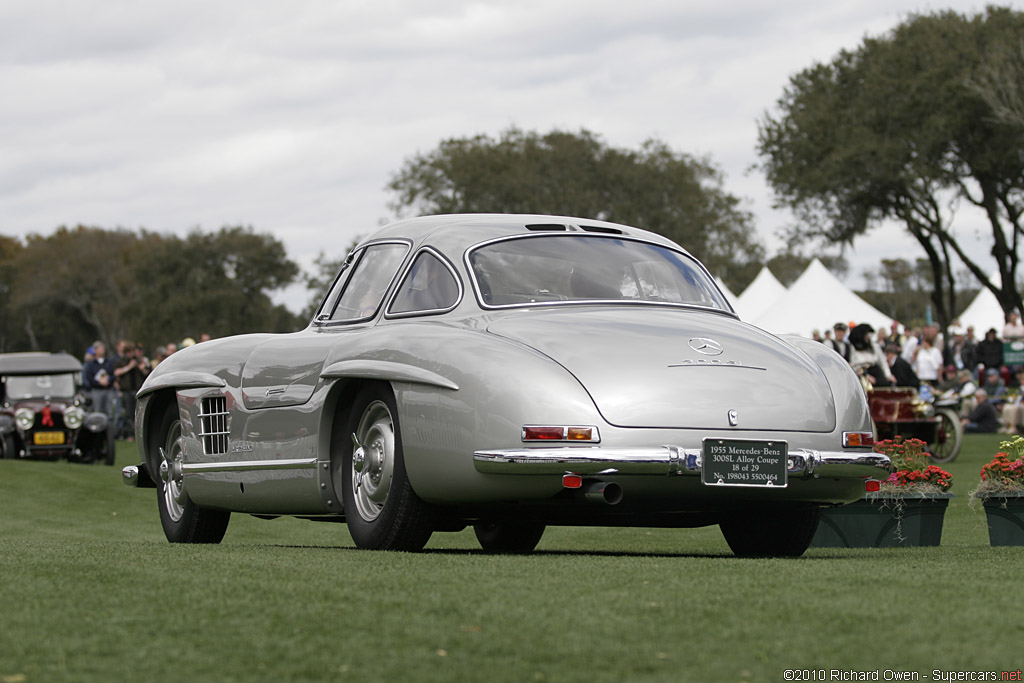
(607, 492)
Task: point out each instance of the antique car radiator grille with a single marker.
(214, 432)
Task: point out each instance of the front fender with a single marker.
(182, 379)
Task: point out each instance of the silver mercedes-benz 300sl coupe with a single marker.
(510, 372)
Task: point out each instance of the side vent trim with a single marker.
(214, 429)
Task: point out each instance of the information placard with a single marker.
(744, 462)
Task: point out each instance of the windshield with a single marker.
(573, 268)
(39, 386)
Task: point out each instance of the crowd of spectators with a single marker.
(110, 381)
(959, 365)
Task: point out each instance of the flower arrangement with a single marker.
(912, 472)
(1005, 472)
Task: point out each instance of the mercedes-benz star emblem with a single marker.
(709, 347)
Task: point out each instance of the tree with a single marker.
(70, 288)
(897, 129)
(10, 248)
(64, 290)
(218, 283)
(577, 174)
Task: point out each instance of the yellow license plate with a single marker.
(48, 438)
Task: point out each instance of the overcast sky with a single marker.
(291, 116)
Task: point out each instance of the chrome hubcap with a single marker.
(373, 460)
(172, 476)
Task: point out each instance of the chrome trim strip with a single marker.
(668, 460)
(248, 466)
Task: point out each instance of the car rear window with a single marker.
(584, 268)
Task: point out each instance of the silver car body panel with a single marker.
(467, 380)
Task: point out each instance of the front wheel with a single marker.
(7, 446)
(381, 508)
(776, 532)
(948, 438)
(109, 450)
(510, 538)
(183, 521)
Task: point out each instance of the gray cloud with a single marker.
(291, 116)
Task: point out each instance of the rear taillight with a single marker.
(858, 439)
(563, 433)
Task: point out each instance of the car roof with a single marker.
(463, 230)
(38, 364)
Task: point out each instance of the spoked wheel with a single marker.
(774, 532)
(183, 521)
(948, 438)
(511, 538)
(381, 508)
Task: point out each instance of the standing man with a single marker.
(98, 378)
(900, 368)
(927, 362)
(131, 371)
(839, 344)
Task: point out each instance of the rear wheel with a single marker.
(381, 508)
(949, 436)
(775, 532)
(511, 538)
(183, 521)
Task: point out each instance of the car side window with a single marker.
(429, 285)
(372, 273)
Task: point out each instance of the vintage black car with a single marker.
(44, 416)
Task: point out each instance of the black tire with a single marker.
(773, 532)
(949, 436)
(381, 508)
(109, 447)
(112, 446)
(182, 520)
(7, 444)
(509, 538)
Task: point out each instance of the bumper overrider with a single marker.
(668, 460)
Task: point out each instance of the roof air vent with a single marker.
(552, 227)
(601, 228)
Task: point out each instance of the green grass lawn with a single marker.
(90, 591)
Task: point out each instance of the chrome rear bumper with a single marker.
(666, 460)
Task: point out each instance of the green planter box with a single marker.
(884, 521)
(1005, 515)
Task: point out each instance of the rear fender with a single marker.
(852, 412)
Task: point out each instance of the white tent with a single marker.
(729, 296)
(984, 313)
(816, 301)
(759, 295)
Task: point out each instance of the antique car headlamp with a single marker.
(24, 418)
(73, 417)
